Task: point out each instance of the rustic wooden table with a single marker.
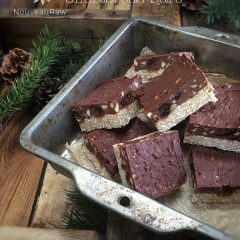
(31, 192)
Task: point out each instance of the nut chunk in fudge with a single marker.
(180, 91)
(215, 170)
(153, 65)
(111, 105)
(100, 142)
(217, 124)
(152, 164)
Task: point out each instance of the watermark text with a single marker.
(39, 12)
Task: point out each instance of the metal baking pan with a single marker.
(55, 125)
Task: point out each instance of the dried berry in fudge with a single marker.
(179, 82)
(108, 98)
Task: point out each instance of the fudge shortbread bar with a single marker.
(100, 142)
(152, 65)
(217, 124)
(215, 170)
(180, 91)
(111, 105)
(152, 164)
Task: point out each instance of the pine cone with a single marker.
(13, 63)
(192, 5)
(49, 87)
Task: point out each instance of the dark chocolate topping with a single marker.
(154, 62)
(109, 91)
(156, 163)
(215, 169)
(101, 142)
(108, 98)
(179, 82)
(224, 113)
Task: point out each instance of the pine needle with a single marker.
(216, 10)
(78, 59)
(49, 56)
(70, 70)
(50, 48)
(86, 215)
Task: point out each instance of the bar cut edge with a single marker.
(122, 173)
(187, 108)
(109, 121)
(222, 144)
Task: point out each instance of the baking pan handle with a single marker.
(136, 206)
(124, 201)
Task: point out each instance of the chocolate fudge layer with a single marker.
(100, 142)
(153, 65)
(215, 170)
(218, 124)
(152, 164)
(181, 90)
(111, 105)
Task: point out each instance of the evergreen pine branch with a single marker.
(87, 205)
(76, 219)
(216, 10)
(79, 57)
(46, 52)
(234, 15)
(76, 47)
(70, 70)
(213, 10)
(86, 215)
(102, 41)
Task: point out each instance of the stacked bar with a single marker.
(180, 91)
(111, 105)
(153, 65)
(152, 164)
(100, 142)
(217, 127)
(167, 88)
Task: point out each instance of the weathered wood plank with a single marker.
(86, 27)
(20, 174)
(14, 233)
(111, 5)
(87, 14)
(52, 202)
(16, 4)
(166, 12)
(21, 42)
(26, 43)
(120, 228)
(62, 4)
